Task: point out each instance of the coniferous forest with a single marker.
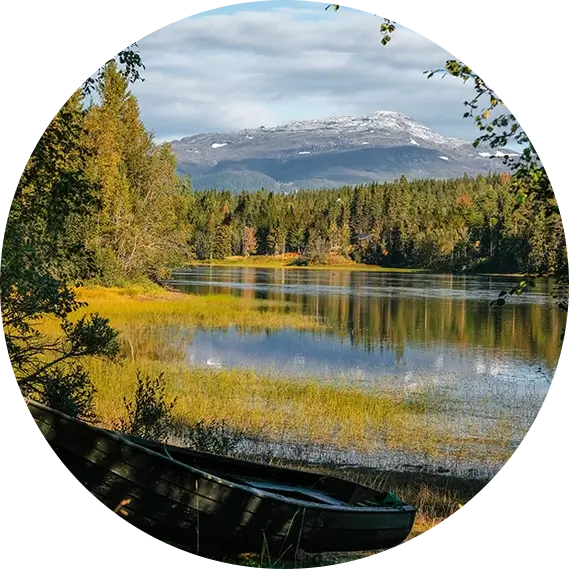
(464, 224)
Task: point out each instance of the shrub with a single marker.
(71, 393)
(149, 415)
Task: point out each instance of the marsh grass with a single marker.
(162, 308)
(283, 410)
(274, 409)
(156, 325)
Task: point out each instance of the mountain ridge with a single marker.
(328, 152)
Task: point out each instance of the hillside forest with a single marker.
(129, 216)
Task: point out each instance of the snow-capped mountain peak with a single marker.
(326, 152)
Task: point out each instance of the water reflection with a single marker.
(383, 323)
(416, 334)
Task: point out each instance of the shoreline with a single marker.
(285, 263)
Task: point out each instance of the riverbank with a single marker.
(331, 416)
(287, 261)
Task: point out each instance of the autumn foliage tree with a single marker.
(139, 228)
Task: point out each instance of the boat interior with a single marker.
(299, 485)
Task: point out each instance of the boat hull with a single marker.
(200, 512)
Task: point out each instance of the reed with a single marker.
(283, 410)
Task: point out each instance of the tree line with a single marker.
(461, 224)
(100, 200)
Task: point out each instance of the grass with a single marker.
(148, 307)
(155, 327)
(285, 262)
(272, 409)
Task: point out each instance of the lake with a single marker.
(405, 331)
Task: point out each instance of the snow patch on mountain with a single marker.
(381, 123)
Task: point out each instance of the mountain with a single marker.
(328, 152)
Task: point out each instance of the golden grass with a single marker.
(276, 409)
(285, 261)
(162, 308)
(284, 410)
(155, 326)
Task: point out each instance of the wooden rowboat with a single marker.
(216, 505)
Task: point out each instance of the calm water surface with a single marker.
(401, 327)
(434, 334)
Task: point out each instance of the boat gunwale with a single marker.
(403, 508)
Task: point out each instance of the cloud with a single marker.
(249, 68)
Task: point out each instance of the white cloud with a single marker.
(251, 68)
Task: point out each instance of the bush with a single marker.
(149, 416)
(320, 252)
(70, 393)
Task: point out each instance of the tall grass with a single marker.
(288, 411)
(137, 306)
(155, 326)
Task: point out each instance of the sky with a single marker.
(272, 62)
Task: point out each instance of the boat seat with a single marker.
(295, 491)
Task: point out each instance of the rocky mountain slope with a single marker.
(327, 153)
